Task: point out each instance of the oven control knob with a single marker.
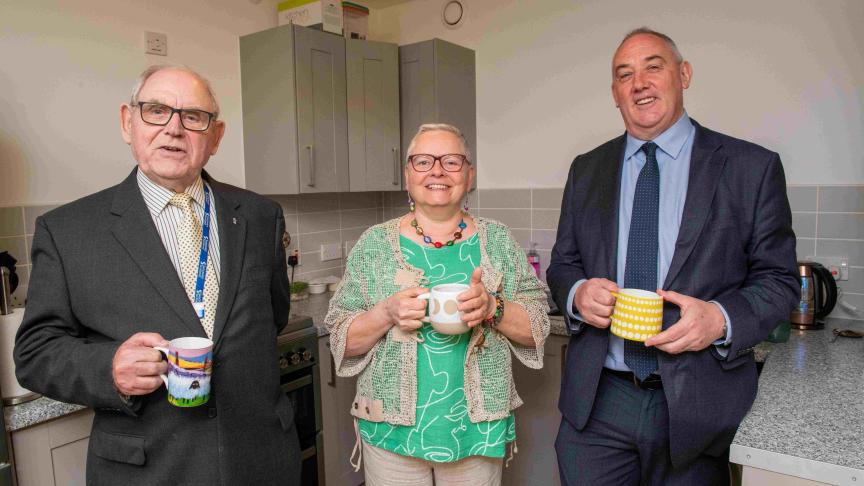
(307, 355)
(295, 359)
(283, 362)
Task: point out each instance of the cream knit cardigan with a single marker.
(387, 385)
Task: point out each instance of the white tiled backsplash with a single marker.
(828, 221)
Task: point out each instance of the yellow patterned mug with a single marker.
(638, 314)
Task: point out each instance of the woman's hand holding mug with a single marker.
(475, 303)
(405, 310)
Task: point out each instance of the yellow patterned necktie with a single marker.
(189, 242)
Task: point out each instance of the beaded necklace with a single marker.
(437, 244)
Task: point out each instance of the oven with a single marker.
(300, 381)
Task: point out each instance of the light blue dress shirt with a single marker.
(673, 157)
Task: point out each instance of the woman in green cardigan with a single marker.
(430, 406)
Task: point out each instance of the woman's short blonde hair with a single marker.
(439, 127)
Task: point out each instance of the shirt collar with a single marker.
(670, 141)
(157, 197)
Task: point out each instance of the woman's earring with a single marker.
(465, 204)
(411, 206)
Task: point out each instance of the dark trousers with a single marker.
(626, 442)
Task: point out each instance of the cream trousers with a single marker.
(385, 468)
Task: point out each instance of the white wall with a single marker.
(786, 74)
(68, 65)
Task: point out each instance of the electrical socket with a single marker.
(331, 251)
(837, 265)
(156, 43)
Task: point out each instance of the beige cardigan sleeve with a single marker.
(350, 300)
(522, 287)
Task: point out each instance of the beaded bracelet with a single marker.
(496, 317)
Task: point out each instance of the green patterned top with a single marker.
(443, 431)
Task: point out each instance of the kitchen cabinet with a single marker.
(537, 420)
(326, 114)
(295, 128)
(438, 85)
(372, 70)
(53, 453)
(337, 395)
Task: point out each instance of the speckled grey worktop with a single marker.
(35, 412)
(810, 403)
(316, 307)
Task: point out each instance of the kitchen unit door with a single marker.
(372, 70)
(538, 419)
(322, 125)
(438, 85)
(295, 135)
(337, 395)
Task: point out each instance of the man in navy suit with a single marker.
(703, 219)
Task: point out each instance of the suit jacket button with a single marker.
(211, 412)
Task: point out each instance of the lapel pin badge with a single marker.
(234, 220)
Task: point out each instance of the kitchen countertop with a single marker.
(35, 412)
(808, 418)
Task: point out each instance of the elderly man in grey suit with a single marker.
(113, 277)
(699, 216)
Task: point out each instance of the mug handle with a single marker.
(614, 294)
(163, 375)
(427, 296)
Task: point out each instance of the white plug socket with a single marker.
(837, 265)
(331, 251)
(156, 43)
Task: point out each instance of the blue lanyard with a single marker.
(198, 298)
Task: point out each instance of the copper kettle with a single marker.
(818, 296)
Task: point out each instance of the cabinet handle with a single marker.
(395, 166)
(332, 382)
(563, 358)
(311, 150)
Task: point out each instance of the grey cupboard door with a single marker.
(322, 128)
(416, 89)
(456, 90)
(269, 111)
(438, 85)
(372, 70)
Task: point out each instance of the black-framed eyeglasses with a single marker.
(159, 114)
(449, 162)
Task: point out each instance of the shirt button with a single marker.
(211, 412)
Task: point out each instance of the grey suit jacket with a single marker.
(735, 246)
(101, 274)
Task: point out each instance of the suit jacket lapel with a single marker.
(607, 210)
(706, 164)
(232, 241)
(135, 231)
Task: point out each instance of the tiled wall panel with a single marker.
(828, 222)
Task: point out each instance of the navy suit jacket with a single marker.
(735, 246)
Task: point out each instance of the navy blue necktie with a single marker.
(640, 271)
